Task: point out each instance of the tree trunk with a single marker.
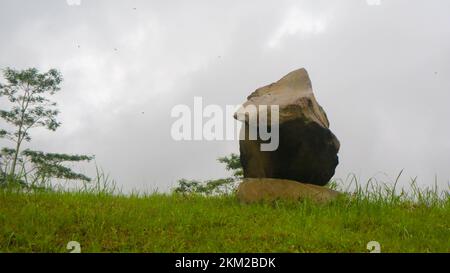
(16, 156)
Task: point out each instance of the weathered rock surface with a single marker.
(307, 149)
(267, 189)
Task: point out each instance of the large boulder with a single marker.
(307, 151)
(267, 189)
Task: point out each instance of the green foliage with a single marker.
(209, 187)
(233, 163)
(2, 178)
(27, 92)
(216, 186)
(37, 168)
(6, 157)
(189, 186)
(46, 166)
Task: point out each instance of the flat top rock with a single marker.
(253, 190)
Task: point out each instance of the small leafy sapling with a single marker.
(28, 92)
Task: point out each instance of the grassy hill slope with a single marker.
(47, 221)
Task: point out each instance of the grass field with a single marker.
(101, 222)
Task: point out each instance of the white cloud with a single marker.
(301, 22)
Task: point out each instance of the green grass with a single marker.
(102, 222)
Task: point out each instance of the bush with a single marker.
(221, 186)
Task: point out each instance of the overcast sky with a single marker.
(381, 72)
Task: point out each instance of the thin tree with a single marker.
(28, 93)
